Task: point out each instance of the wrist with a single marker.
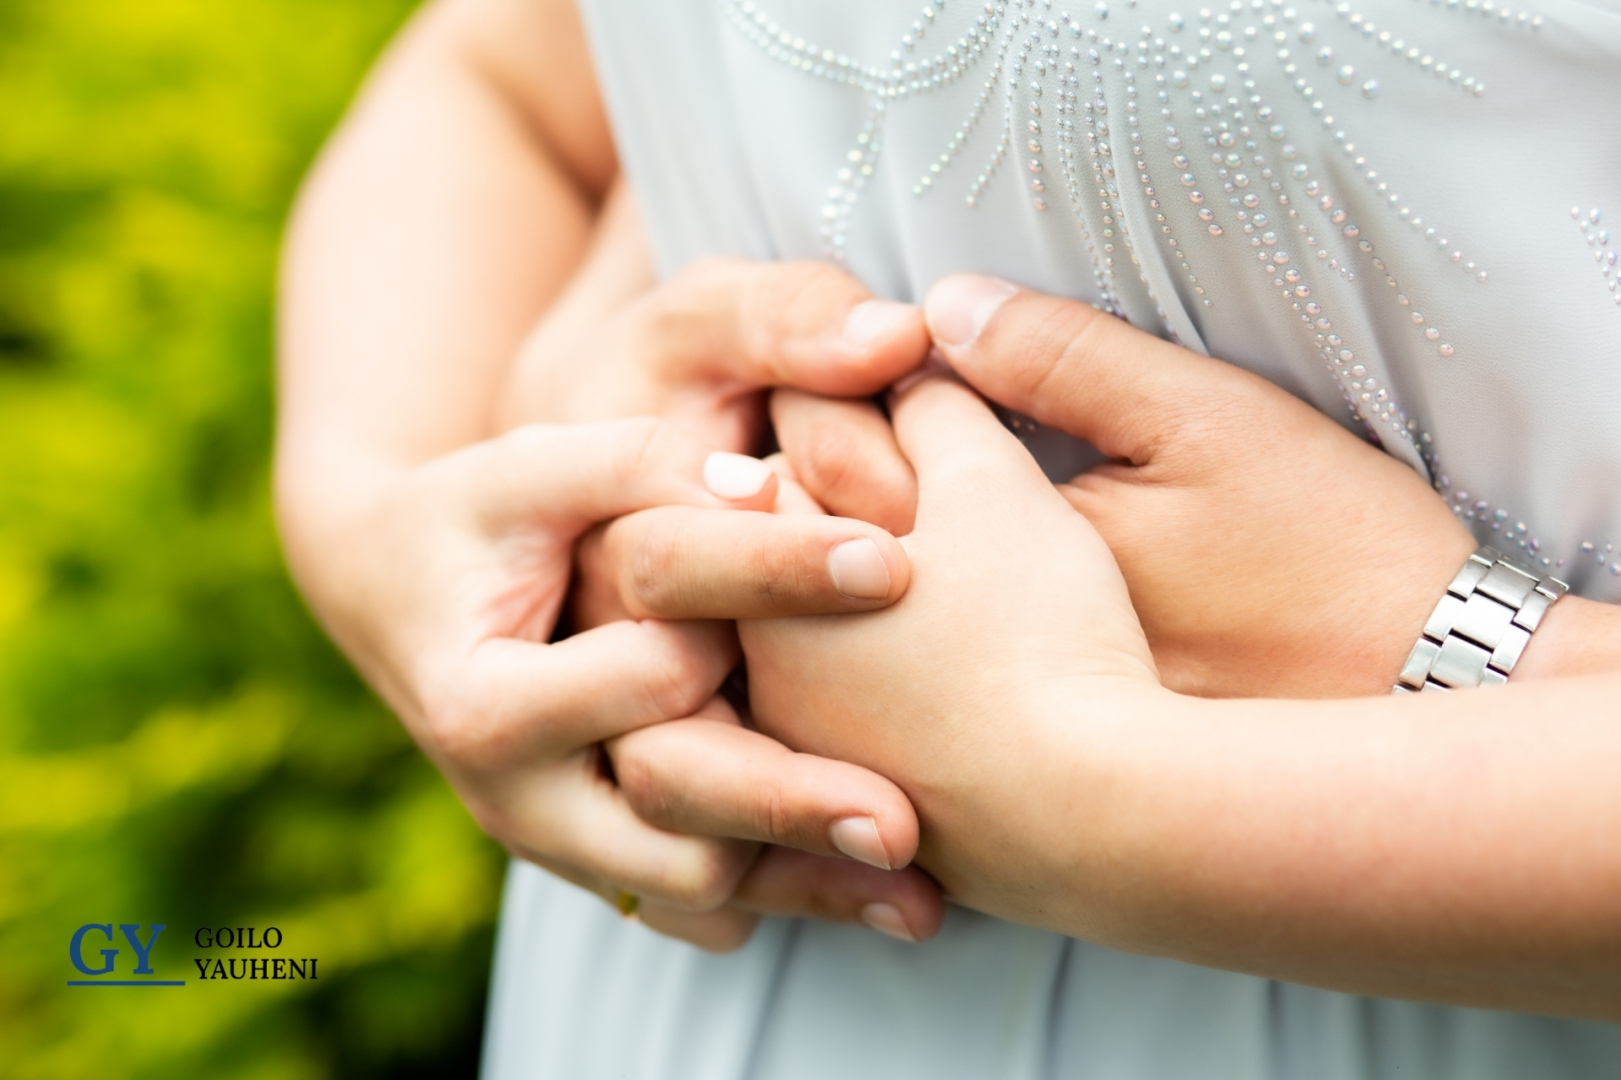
(1419, 592)
(1577, 637)
(1478, 632)
(1500, 619)
(1044, 847)
(335, 534)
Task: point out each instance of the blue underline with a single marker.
(116, 982)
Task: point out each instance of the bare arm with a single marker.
(443, 218)
(1456, 848)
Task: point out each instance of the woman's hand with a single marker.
(1268, 551)
(456, 203)
(445, 592)
(698, 351)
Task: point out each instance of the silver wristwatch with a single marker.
(1481, 626)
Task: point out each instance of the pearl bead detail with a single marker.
(1605, 257)
(1254, 184)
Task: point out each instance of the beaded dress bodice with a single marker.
(1393, 208)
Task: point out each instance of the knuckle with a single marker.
(793, 299)
(597, 558)
(704, 880)
(826, 459)
(803, 287)
(1190, 420)
(526, 440)
(459, 725)
(1068, 337)
(730, 938)
(641, 782)
(676, 681)
(668, 319)
(652, 570)
(1207, 421)
(829, 898)
(776, 820)
(487, 472)
(705, 273)
(464, 735)
(681, 311)
(499, 825)
(777, 574)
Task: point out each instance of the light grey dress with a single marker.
(1393, 208)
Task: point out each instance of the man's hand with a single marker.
(1268, 551)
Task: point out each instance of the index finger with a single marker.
(676, 562)
(580, 474)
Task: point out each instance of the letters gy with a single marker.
(142, 952)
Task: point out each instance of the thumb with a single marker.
(1073, 367)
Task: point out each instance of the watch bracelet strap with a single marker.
(1480, 628)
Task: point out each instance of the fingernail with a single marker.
(874, 320)
(886, 919)
(958, 308)
(859, 572)
(735, 476)
(858, 838)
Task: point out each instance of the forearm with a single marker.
(1459, 847)
(444, 216)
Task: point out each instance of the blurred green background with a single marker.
(178, 743)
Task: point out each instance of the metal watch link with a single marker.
(1481, 626)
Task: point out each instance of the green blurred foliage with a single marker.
(178, 742)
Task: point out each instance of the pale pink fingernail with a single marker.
(886, 919)
(858, 570)
(735, 476)
(858, 838)
(872, 321)
(958, 308)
